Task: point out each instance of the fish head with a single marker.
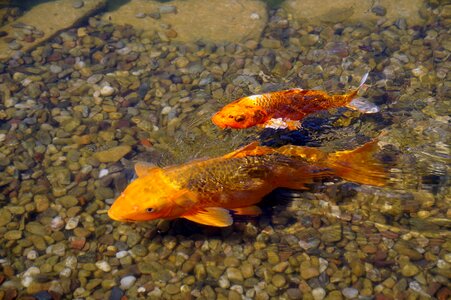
(238, 116)
(146, 198)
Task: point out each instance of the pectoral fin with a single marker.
(248, 211)
(144, 168)
(363, 106)
(212, 216)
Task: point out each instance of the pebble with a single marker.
(103, 173)
(95, 78)
(278, 280)
(72, 223)
(294, 294)
(409, 270)
(127, 282)
(5, 217)
(350, 293)
(13, 235)
(167, 9)
(14, 45)
(55, 69)
(103, 265)
(78, 4)
(234, 275)
(318, 293)
(107, 91)
(379, 10)
(113, 154)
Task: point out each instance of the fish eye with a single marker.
(240, 118)
(149, 210)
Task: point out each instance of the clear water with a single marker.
(334, 240)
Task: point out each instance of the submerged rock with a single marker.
(216, 20)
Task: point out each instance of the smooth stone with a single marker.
(95, 78)
(113, 154)
(5, 217)
(67, 201)
(127, 282)
(234, 275)
(409, 270)
(350, 293)
(107, 91)
(55, 69)
(103, 265)
(318, 293)
(167, 9)
(278, 280)
(78, 4)
(13, 235)
(294, 294)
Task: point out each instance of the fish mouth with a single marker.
(216, 119)
(114, 216)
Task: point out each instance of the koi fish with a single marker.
(284, 109)
(209, 191)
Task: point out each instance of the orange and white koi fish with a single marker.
(284, 109)
(208, 191)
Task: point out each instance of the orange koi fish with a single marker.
(208, 191)
(284, 109)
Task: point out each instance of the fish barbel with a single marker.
(289, 106)
(207, 191)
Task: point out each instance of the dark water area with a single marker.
(89, 88)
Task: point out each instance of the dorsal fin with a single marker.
(144, 168)
(246, 148)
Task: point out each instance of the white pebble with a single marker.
(107, 91)
(72, 223)
(32, 254)
(121, 254)
(2, 137)
(237, 288)
(127, 282)
(414, 285)
(103, 265)
(350, 293)
(66, 272)
(255, 16)
(224, 282)
(166, 110)
(26, 81)
(318, 293)
(103, 173)
(323, 265)
(57, 223)
(141, 289)
(26, 281)
(71, 262)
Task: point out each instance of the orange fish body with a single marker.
(205, 191)
(290, 105)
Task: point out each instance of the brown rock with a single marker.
(332, 11)
(211, 20)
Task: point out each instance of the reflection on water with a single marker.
(78, 110)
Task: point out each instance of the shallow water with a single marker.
(149, 96)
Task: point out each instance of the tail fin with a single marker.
(359, 165)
